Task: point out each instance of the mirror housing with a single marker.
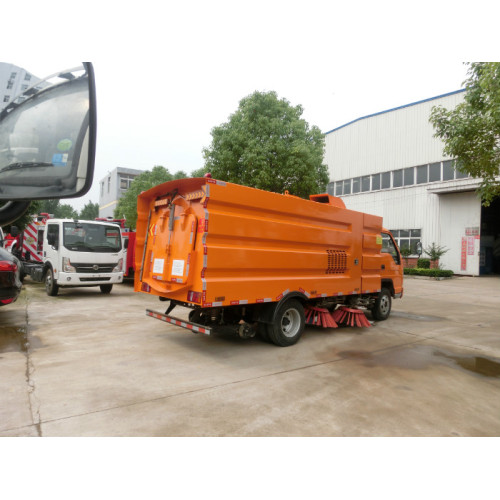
(48, 141)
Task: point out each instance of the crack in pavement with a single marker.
(33, 401)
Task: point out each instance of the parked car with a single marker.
(10, 278)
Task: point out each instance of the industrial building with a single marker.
(13, 81)
(390, 164)
(112, 187)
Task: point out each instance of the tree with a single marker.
(90, 211)
(25, 219)
(435, 251)
(127, 204)
(55, 209)
(266, 144)
(471, 131)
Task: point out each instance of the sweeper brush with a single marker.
(318, 316)
(348, 316)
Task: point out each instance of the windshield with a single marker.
(85, 237)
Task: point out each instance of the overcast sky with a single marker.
(167, 73)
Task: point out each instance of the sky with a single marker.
(167, 73)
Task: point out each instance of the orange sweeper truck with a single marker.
(253, 261)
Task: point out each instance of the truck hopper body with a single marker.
(219, 247)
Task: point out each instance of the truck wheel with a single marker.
(51, 285)
(288, 325)
(106, 288)
(382, 307)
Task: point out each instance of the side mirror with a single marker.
(125, 243)
(47, 141)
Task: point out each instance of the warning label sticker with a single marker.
(177, 268)
(158, 266)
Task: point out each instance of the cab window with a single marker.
(388, 246)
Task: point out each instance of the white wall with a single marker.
(387, 141)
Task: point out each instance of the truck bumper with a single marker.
(194, 327)
(73, 279)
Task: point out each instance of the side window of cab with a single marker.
(388, 246)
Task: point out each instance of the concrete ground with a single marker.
(87, 364)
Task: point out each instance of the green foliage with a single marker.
(434, 251)
(200, 172)
(25, 219)
(90, 211)
(267, 145)
(432, 273)
(127, 204)
(471, 131)
(55, 208)
(424, 263)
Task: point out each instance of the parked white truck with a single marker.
(73, 253)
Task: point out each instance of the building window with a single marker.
(375, 182)
(23, 87)
(460, 175)
(13, 75)
(356, 187)
(448, 171)
(27, 77)
(434, 172)
(409, 176)
(422, 174)
(102, 188)
(365, 183)
(386, 180)
(6, 98)
(338, 188)
(109, 184)
(397, 178)
(347, 186)
(125, 181)
(407, 238)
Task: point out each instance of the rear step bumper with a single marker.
(179, 322)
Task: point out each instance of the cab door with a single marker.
(391, 262)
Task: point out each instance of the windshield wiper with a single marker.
(26, 164)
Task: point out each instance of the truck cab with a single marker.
(82, 253)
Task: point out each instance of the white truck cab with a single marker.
(82, 253)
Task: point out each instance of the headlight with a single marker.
(119, 266)
(67, 267)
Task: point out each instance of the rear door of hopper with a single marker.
(171, 242)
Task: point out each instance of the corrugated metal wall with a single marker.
(387, 141)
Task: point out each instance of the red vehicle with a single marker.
(128, 243)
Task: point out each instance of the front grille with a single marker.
(337, 262)
(91, 268)
(93, 279)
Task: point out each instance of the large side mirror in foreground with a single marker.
(47, 141)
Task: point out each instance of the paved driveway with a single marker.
(87, 364)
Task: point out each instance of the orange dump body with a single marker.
(209, 243)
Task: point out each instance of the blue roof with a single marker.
(394, 109)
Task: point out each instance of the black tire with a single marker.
(382, 308)
(288, 325)
(51, 286)
(106, 288)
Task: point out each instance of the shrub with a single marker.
(433, 273)
(424, 263)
